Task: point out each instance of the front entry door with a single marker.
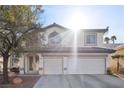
(32, 64)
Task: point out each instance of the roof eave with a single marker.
(69, 50)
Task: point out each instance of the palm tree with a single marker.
(113, 38)
(118, 56)
(107, 40)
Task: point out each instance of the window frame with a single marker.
(85, 39)
(54, 43)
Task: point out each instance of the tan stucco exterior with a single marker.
(113, 62)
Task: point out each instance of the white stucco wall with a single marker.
(68, 37)
(100, 39)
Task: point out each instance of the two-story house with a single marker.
(58, 50)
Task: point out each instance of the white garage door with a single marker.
(53, 65)
(86, 66)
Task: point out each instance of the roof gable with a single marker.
(55, 25)
(85, 30)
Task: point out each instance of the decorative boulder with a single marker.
(17, 80)
(12, 74)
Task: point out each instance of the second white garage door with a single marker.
(86, 66)
(53, 65)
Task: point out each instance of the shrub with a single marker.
(109, 71)
(15, 69)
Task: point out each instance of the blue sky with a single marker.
(94, 17)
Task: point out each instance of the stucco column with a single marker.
(34, 61)
(107, 63)
(65, 65)
(40, 64)
(9, 62)
(26, 63)
(21, 63)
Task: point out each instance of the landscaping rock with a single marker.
(12, 74)
(17, 80)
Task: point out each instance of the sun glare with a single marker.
(77, 21)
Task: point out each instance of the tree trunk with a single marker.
(5, 69)
(113, 41)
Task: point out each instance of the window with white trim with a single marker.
(91, 39)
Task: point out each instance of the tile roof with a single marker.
(70, 50)
(112, 46)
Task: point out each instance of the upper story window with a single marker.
(54, 39)
(91, 39)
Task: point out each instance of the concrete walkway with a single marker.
(79, 81)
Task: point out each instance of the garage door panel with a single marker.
(86, 66)
(53, 66)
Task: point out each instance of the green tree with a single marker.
(113, 38)
(107, 39)
(118, 56)
(15, 22)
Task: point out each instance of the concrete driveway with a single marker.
(79, 81)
